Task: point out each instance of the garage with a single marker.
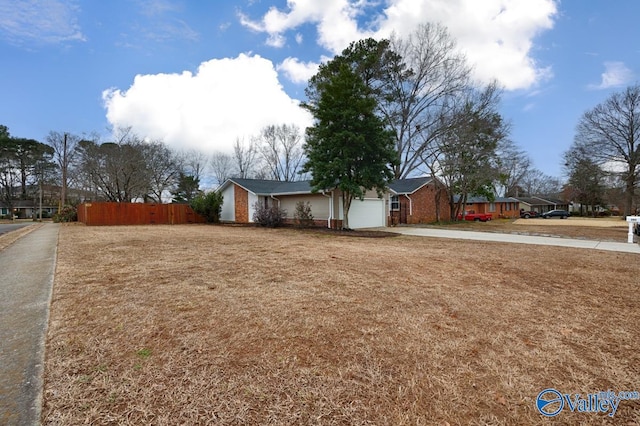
(368, 213)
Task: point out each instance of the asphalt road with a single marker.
(26, 282)
(8, 227)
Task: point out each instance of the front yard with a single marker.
(197, 324)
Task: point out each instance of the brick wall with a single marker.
(241, 198)
(422, 209)
(507, 210)
(502, 209)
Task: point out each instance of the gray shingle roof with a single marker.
(475, 200)
(408, 186)
(273, 187)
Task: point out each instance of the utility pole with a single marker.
(40, 195)
(63, 190)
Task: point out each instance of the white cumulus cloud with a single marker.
(208, 110)
(297, 71)
(496, 35)
(616, 74)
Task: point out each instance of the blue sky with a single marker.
(199, 74)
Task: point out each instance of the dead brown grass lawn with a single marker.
(223, 325)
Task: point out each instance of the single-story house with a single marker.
(26, 209)
(406, 201)
(542, 204)
(500, 207)
(509, 207)
(240, 197)
(413, 201)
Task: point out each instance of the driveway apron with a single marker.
(516, 238)
(26, 280)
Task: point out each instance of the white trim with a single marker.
(252, 199)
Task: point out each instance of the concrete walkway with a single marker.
(516, 238)
(26, 280)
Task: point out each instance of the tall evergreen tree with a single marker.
(348, 148)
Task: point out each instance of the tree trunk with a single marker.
(452, 208)
(437, 197)
(346, 204)
(63, 188)
(628, 196)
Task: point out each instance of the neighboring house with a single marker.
(541, 205)
(413, 201)
(240, 197)
(27, 209)
(500, 207)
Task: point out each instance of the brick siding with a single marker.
(241, 198)
(422, 209)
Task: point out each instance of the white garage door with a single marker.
(368, 213)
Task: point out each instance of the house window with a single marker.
(492, 207)
(395, 203)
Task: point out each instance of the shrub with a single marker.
(270, 217)
(303, 216)
(66, 214)
(208, 205)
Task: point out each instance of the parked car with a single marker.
(562, 214)
(476, 217)
(527, 214)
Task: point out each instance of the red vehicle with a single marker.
(473, 216)
(527, 214)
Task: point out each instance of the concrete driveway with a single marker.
(514, 238)
(26, 280)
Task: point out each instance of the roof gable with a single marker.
(540, 201)
(409, 186)
(484, 200)
(271, 187)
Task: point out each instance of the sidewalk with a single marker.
(515, 238)
(26, 280)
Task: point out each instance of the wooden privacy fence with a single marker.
(104, 213)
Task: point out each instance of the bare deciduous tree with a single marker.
(610, 134)
(465, 157)
(244, 156)
(222, 167)
(515, 165)
(537, 183)
(194, 163)
(281, 149)
(117, 170)
(163, 167)
(428, 76)
(586, 180)
(64, 148)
